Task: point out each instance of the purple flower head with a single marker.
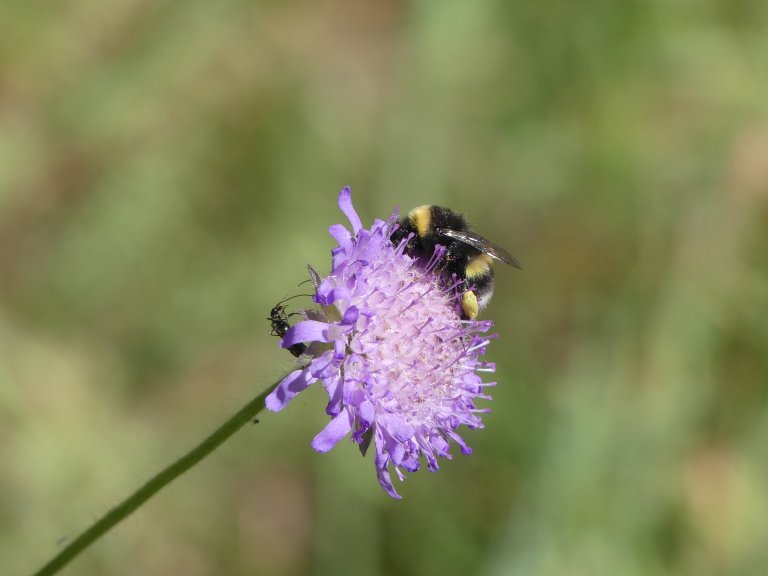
(396, 360)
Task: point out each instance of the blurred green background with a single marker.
(167, 169)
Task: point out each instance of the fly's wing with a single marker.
(483, 244)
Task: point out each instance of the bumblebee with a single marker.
(468, 256)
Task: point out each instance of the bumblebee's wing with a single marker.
(482, 244)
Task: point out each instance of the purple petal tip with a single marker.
(345, 203)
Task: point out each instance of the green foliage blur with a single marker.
(167, 169)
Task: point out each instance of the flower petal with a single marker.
(342, 236)
(396, 427)
(460, 441)
(323, 366)
(339, 350)
(386, 482)
(351, 315)
(382, 466)
(306, 331)
(367, 412)
(334, 387)
(345, 203)
(289, 387)
(333, 432)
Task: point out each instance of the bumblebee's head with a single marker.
(424, 222)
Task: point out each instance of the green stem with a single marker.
(127, 506)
